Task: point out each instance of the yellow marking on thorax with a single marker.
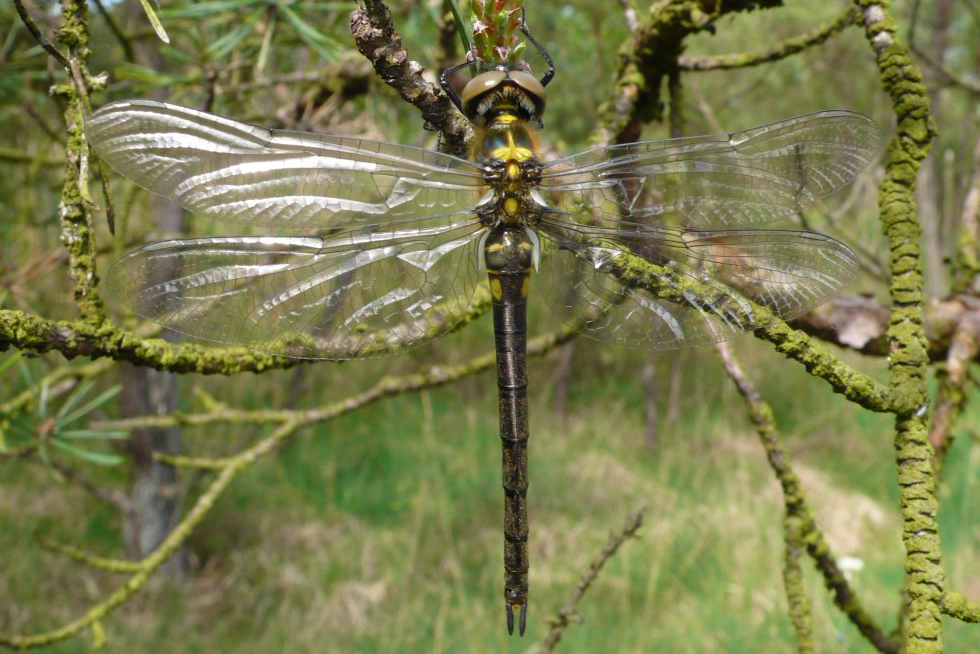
(511, 151)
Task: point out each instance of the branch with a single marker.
(780, 51)
(377, 40)
(77, 230)
(799, 607)
(31, 333)
(431, 377)
(566, 615)
(663, 282)
(798, 509)
(36, 33)
(649, 55)
(958, 606)
(908, 356)
(117, 566)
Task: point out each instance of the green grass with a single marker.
(380, 532)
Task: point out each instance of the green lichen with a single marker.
(908, 348)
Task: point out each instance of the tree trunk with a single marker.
(154, 492)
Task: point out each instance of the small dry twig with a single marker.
(566, 615)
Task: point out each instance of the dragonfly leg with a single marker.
(448, 88)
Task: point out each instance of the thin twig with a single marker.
(780, 51)
(799, 606)
(118, 566)
(36, 33)
(566, 614)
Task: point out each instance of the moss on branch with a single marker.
(908, 351)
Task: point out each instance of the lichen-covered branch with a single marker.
(666, 283)
(378, 40)
(956, 605)
(32, 333)
(779, 51)
(650, 55)
(798, 508)
(799, 607)
(566, 614)
(908, 357)
(77, 232)
(117, 566)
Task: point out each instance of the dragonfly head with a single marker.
(503, 90)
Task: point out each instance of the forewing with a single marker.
(351, 295)
(754, 177)
(224, 169)
(787, 272)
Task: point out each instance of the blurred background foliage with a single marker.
(379, 532)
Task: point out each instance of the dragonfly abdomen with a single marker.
(508, 252)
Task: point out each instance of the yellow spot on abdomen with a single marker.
(526, 286)
(496, 291)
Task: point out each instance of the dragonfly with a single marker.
(382, 246)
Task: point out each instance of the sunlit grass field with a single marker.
(380, 532)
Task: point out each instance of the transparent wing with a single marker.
(229, 170)
(789, 272)
(750, 178)
(356, 294)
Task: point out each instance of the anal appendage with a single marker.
(522, 622)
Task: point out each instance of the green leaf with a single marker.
(220, 48)
(263, 58)
(101, 399)
(80, 391)
(143, 75)
(93, 434)
(42, 403)
(25, 372)
(98, 458)
(461, 27)
(9, 361)
(155, 22)
(327, 47)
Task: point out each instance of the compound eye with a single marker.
(529, 83)
(481, 84)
